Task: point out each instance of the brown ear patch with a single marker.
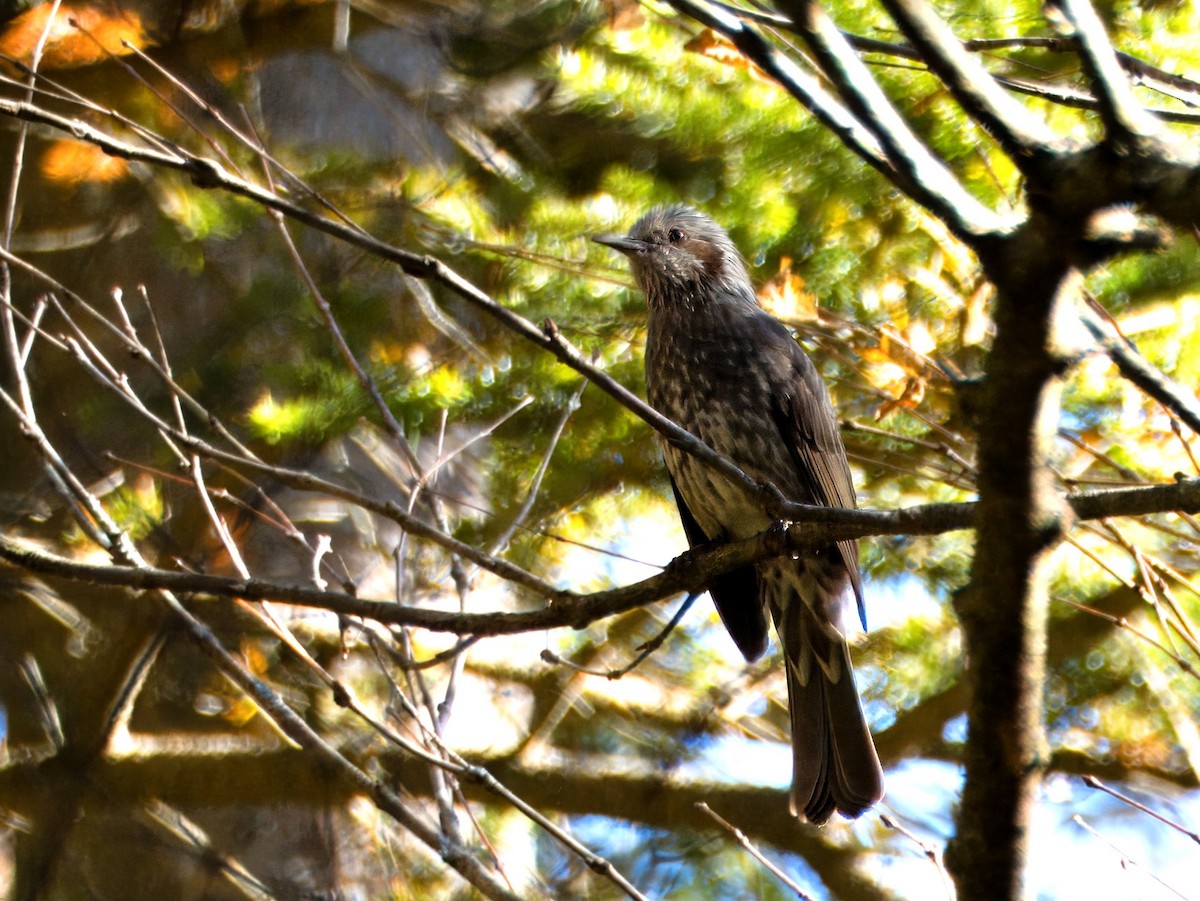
(710, 256)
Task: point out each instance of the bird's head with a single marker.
(680, 256)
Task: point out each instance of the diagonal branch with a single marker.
(871, 127)
(1175, 397)
(1185, 90)
(801, 85)
(209, 173)
(919, 173)
(1125, 121)
(1025, 138)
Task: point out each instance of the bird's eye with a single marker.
(675, 235)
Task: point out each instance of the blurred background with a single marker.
(497, 137)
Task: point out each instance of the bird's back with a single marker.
(719, 371)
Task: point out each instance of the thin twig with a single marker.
(1133, 366)
(480, 776)
(1126, 861)
(742, 840)
(1093, 782)
(645, 649)
(929, 851)
(535, 484)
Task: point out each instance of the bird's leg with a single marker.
(777, 536)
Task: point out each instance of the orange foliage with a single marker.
(786, 298)
(81, 34)
(899, 367)
(721, 50)
(623, 14)
(73, 162)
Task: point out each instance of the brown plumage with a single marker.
(725, 370)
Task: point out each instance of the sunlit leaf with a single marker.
(80, 34)
(74, 162)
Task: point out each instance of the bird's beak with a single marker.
(621, 243)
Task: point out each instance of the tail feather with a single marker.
(810, 796)
(835, 766)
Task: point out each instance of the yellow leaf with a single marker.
(241, 711)
(906, 351)
(784, 296)
(910, 398)
(79, 35)
(73, 163)
(711, 45)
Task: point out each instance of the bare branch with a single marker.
(691, 571)
(1025, 138)
(1183, 89)
(1093, 782)
(1175, 397)
(931, 853)
(1124, 119)
(888, 145)
(804, 87)
(741, 839)
(924, 177)
(209, 173)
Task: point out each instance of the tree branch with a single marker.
(1062, 96)
(690, 571)
(1137, 369)
(871, 127)
(1023, 137)
(1125, 122)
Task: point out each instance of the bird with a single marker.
(731, 374)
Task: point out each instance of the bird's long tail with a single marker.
(835, 765)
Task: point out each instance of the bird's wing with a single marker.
(735, 593)
(809, 429)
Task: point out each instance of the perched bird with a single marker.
(732, 375)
